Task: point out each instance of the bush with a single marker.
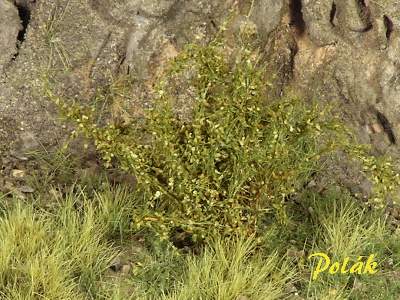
(234, 158)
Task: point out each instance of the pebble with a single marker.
(290, 289)
(396, 213)
(18, 156)
(18, 173)
(311, 184)
(8, 186)
(126, 268)
(116, 265)
(295, 253)
(26, 189)
(376, 128)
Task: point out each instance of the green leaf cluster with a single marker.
(236, 158)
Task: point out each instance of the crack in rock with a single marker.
(387, 128)
(24, 13)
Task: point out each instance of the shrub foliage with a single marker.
(234, 158)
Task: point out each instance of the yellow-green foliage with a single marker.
(234, 159)
(230, 269)
(52, 256)
(344, 230)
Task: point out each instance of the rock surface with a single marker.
(347, 56)
(10, 25)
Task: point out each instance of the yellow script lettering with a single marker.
(319, 269)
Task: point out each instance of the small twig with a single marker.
(93, 60)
